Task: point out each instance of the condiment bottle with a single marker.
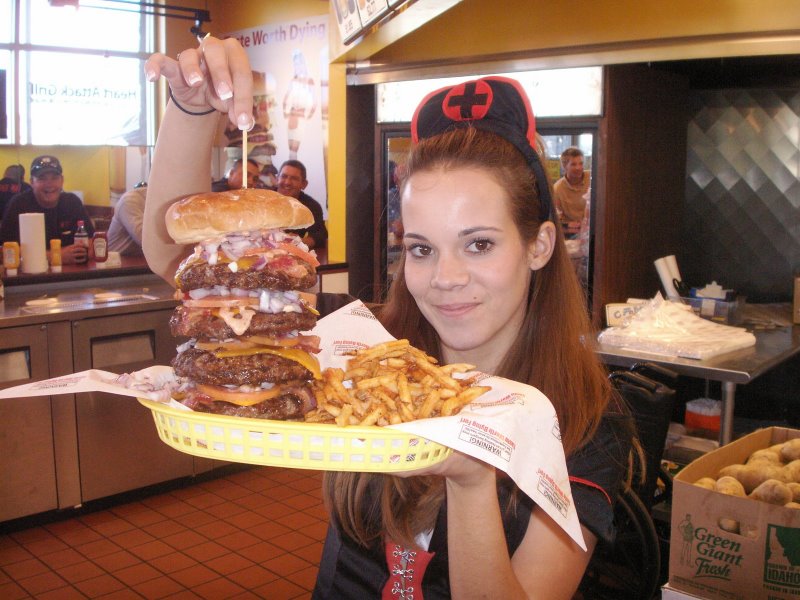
(11, 257)
(100, 247)
(55, 256)
(82, 239)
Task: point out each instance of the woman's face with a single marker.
(466, 265)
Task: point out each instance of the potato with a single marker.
(792, 471)
(765, 455)
(705, 482)
(730, 486)
(794, 505)
(757, 473)
(791, 450)
(794, 487)
(732, 470)
(772, 491)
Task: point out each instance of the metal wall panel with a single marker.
(742, 212)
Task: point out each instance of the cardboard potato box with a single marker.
(710, 562)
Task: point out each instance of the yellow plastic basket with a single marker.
(293, 444)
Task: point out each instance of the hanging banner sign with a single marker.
(290, 78)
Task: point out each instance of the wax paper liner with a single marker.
(513, 427)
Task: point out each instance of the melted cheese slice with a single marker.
(299, 356)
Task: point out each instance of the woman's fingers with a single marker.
(190, 66)
(216, 74)
(229, 69)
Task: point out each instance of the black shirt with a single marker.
(8, 189)
(318, 231)
(348, 570)
(60, 222)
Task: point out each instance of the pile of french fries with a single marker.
(391, 383)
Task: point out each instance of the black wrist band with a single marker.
(188, 112)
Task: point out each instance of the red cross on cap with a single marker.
(468, 101)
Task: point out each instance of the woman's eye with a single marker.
(481, 246)
(419, 250)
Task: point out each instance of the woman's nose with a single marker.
(450, 272)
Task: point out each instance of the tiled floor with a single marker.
(254, 533)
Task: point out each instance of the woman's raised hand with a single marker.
(215, 75)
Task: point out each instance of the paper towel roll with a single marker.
(32, 251)
(672, 263)
(664, 272)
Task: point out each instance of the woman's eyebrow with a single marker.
(463, 233)
(473, 230)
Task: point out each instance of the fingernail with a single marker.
(194, 78)
(150, 75)
(245, 122)
(224, 91)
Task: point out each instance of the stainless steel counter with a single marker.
(51, 302)
(774, 345)
(63, 450)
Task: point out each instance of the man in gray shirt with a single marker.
(125, 230)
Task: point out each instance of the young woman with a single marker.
(485, 279)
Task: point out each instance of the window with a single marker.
(80, 77)
(552, 92)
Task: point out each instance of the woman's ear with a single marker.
(541, 249)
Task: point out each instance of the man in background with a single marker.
(291, 182)
(125, 230)
(12, 183)
(569, 192)
(62, 210)
(234, 179)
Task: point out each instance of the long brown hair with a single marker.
(549, 353)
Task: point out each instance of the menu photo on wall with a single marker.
(290, 96)
(371, 10)
(348, 19)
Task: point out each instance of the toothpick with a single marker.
(244, 159)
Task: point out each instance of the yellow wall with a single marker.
(85, 167)
(476, 28)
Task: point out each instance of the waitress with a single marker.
(62, 210)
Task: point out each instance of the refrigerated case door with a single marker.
(119, 447)
(27, 467)
(395, 143)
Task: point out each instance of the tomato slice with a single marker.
(306, 256)
(234, 397)
(289, 249)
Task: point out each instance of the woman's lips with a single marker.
(456, 310)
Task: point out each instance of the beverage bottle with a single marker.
(82, 239)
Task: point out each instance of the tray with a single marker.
(293, 444)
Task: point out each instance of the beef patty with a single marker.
(202, 324)
(290, 405)
(203, 367)
(286, 273)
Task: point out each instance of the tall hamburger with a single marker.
(242, 304)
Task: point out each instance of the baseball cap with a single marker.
(495, 104)
(45, 164)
